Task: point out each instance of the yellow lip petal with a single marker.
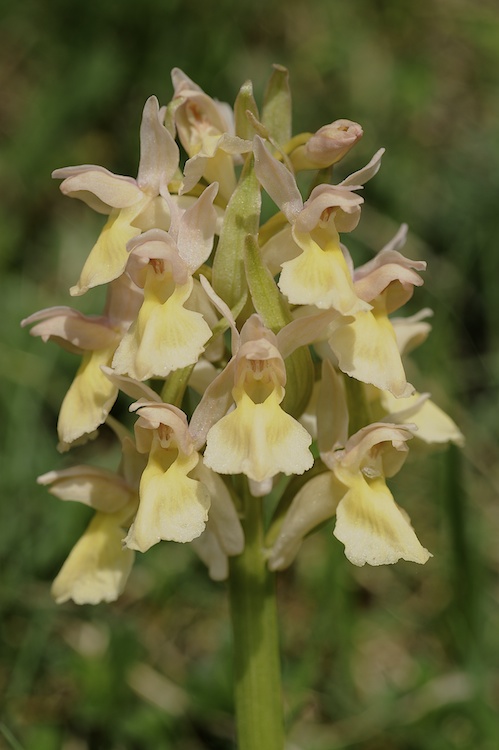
(367, 350)
(172, 505)
(89, 399)
(259, 440)
(319, 276)
(373, 528)
(97, 567)
(165, 337)
(108, 257)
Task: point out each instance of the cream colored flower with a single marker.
(167, 335)
(98, 567)
(206, 130)
(370, 524)
(173, 505)
(327, 146)
(365, 345)
(319, 273)
(257, 437)
(91, 395)
(126, 200)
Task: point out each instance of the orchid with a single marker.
(166, 336)
(265, 371)
(129, 202)
(91, 395)
(319, 273)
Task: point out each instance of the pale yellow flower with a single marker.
(167, 335)
(126, 200)
(257, 437)
(319, 273)
(173, 506)
(370, 524)
(206, 130)
(98, 566)
(365, 345)
(91, 395)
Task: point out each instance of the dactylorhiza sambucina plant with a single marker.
(292, 353)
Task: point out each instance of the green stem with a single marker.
(358, 406)
(256, 641)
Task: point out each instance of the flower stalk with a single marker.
(257, 674)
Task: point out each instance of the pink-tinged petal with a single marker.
(98, 567)
(98, 188)
(304, 330)
(65, 325)
(379, 449)
(89, 399)
(152, 417)
(277, 181)
(331, 142)
(325, 198)
(159, 154)
(182, 83)
(411, 332)
(215, 403)
(390, 271)
(197, 229)
(123, 302)
(366, 173)
(99, 488)
(223, 521)
(312, 505)
(156, 245)
(108, 257)
(133, 388)
(373, 528)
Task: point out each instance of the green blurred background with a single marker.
(398, 658)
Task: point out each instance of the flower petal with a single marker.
(89, 399)
(99, 488)
(172, 505)
(434, 425)
(373, 528)
(98, 567)
(259, 440)
(164, 338)
(313, 504)
(108, 257)
(320, 275)
(98, 188)
(159, 154)
(367, 350)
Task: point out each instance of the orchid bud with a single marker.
(327, 146)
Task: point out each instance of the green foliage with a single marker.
(375, 659)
